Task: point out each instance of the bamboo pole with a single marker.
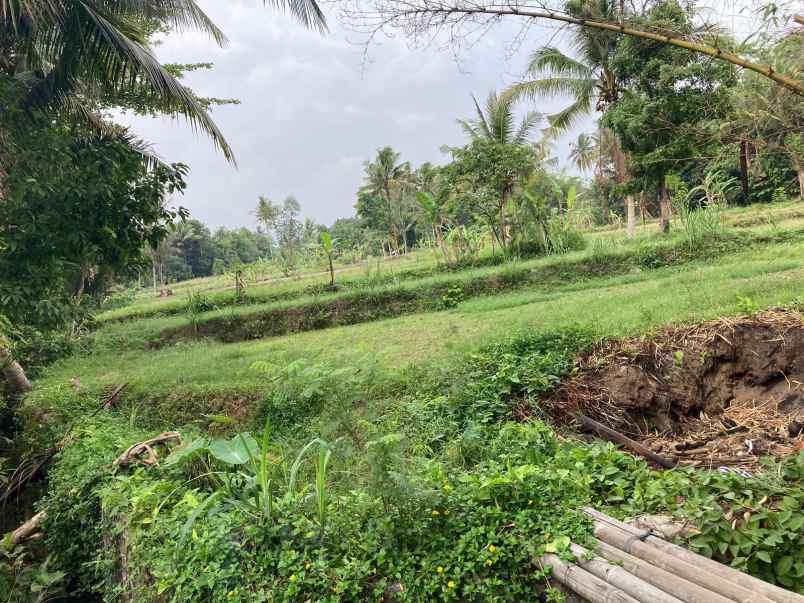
(621, 578)
(633, 544)
(772, 592)
(588, 586)
(684, 590)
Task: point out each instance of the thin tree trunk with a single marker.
(620, 177)
(664, 210)
(12, 372)
(630, 211)
(801, 182)
(744, 169)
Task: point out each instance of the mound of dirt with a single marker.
(719, 393)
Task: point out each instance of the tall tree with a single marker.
(495, 136)
(588, 80)
(669, 113)
(386, 179)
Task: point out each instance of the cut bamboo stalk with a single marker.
(581, 582)
(632, 544)
(621, 578)
(760, 587)
(616, 436)
(684, 590)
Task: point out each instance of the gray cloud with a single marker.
(312, 111)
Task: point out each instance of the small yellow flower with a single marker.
(488, 562)
(492, 548)
(292, 578)
(530, 501)
(450, 584)
(446, 511)
(308, 565)
(439, 570)
(435, 513)
(447, 487)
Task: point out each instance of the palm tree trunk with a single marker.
(630, 211)
(12, 372)
(744, 169)
(664, 210)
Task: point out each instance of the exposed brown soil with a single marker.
(719, 393)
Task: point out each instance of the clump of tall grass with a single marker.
(699, 222)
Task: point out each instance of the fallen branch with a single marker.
(418, 16)
(144, 451)
(616, 436)
(112, 398)
(28, 529)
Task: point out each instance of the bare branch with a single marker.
(460, 20)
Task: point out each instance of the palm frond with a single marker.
(468, 129)
(552, 61)
(553, 87)
(181, 15)
(481, 125)
(98, 48)
(501, 116)
(308, 12)
(529, 121)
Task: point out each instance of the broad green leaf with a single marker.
(187, 451)
(236, 451)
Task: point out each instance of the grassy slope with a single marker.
(271, 286)
(614, 306)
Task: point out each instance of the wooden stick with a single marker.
(28, 529)
(621, 577)
(616, 436)
(109, 402)
(772, 592)
(588, 586)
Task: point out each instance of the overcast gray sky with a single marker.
(312, 112)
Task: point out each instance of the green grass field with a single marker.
(614, 306)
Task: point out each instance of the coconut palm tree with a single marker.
(583, 152)
(587, 80)
(65, 54)
(497, 122)
(385, 176)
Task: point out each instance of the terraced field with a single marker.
(443, 467)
